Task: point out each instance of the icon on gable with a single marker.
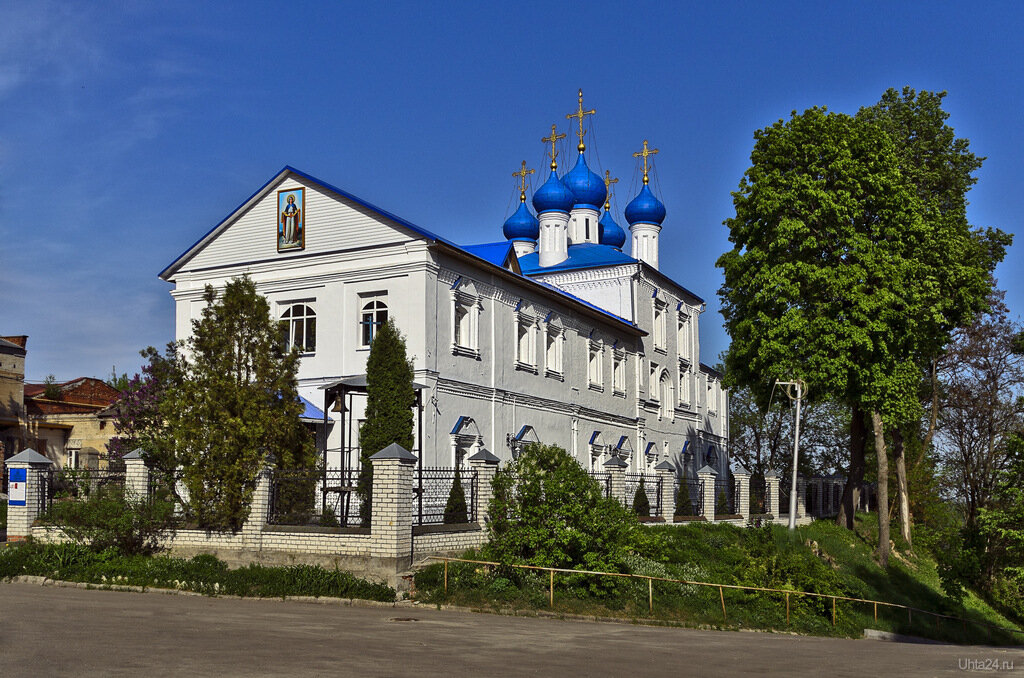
(291, 219)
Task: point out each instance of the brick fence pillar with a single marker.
(742, 491)
(707, 483)
(392, 496)
(617, 470)
(136, 476)
(26, 492)
(667, 475)
(771, 491)
(259, 510)
(486, 465)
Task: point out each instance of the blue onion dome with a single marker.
(552, 196)
(522, 225)
(587, 187)
(610, 233)
(645, 208)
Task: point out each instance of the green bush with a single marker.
(456, 511)
(722, 503)
(3, 515)
(547, 510)
(108, 519)
(684, 505)
(641, 505)
(202, 574)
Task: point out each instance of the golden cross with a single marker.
(608, 181)
(645, 153)
(579, 114)
(552, 139)
(522, 186)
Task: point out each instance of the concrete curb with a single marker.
(127, 588)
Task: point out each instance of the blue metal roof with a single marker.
(311, 411)
(496, 253)
(584, 255)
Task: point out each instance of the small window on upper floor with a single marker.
(595, 365)
(465, 324)
(683, 337)
(660, 342)
(619, 373)
(297, 328)
(553, 352)
(526, 343)
(373, 314)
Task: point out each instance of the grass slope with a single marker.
(818, 558)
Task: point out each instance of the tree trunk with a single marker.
(902, 486)
(883, 489)
(933, 415)
(858, 440)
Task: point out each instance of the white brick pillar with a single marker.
(26, 490)
(667, 475)
(259, 510)
(617, 470)
(771, 491)
(801, 496)
(707, 484)
(486, 465)
(136, 476)
(391, 515)
(742, 491)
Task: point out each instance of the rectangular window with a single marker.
(683, 337)
(684, 384)
(595, 367)
(526, 343)
(619, 374)
(553, 352)
(465, 324)
(659, 325)
(652, 383)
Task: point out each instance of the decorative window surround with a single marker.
(526, 343)
(659, 330)
(465, 325)
(619, 373)
(595, 365)
(373, 313)
(298, 327)
(554, 348)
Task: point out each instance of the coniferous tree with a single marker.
(683, 503)
(641, 505)
(389, 401)
(456, 510)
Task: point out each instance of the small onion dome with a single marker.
(610, 233)
(552, 196)
(522, 225)
(587, 187)
(645, 208)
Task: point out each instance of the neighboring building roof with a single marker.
(584, 255)
(498, 253)
(84, 395)
(312, 413)
(707, 369)
(11, 348)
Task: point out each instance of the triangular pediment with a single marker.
(293, 215)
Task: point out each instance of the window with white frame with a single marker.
(652, 384)
(665, 396)
(465, 324)
(553, 351)
(297, 328)
(712, 397)
(595, 365)
(684, 384)
(526, 342)
(619, 373)
(683, 337)
(660, 342)
(373, 313)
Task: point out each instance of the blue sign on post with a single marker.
(17, 487)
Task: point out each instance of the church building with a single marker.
(553, 334)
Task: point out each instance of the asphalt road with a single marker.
(50, 631)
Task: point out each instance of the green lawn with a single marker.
(820, 557)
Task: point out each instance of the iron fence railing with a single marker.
(785, 488)
(75, 484)
(432, 488)
(689, 496)
(320, 498)
(651, 483)
(605, 479)
(725, 496)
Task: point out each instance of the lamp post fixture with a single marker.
(797, 391)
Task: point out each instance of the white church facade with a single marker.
(553, 334)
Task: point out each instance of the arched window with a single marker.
(298, 328)
(373, 316)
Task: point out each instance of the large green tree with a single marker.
(212, 410)
(389, 407)
(838, 277)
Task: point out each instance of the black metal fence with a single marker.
(605, 479)
(689, 496)
(725, 496)
(68, 484)
(785, 488)
(432, 488)
(322, 498)
(651, 483)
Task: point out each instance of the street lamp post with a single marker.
(796, 390)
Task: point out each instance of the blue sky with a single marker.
(127, 130)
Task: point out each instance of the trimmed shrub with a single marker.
(456, 511)
(641, 505)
